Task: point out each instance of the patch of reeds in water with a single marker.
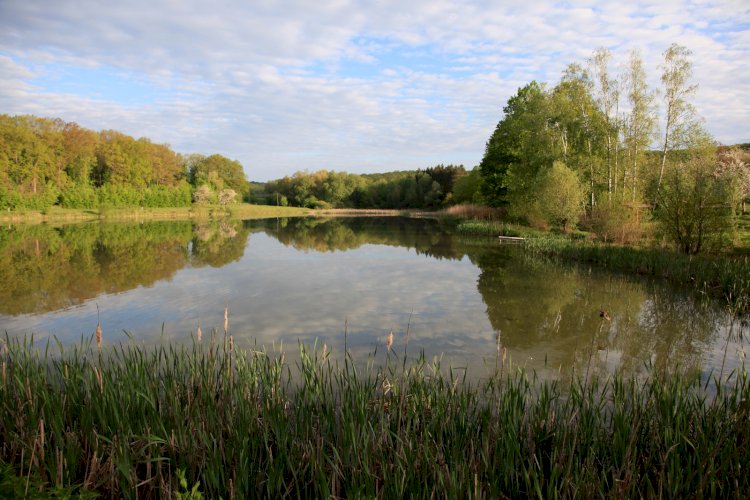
(726, 278)
(136, 422)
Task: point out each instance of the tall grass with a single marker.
(133, 422)
(476, 212)
(726, 278)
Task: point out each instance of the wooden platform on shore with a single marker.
(511, 239)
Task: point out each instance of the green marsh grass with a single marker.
(723, 277)
(130, 421)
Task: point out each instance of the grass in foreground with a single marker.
(222, 422)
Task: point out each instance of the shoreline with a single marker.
(242, 211)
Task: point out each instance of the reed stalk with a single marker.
(147, 417)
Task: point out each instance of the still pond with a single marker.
(284, 281)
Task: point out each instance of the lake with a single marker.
(285, 281)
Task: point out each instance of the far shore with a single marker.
(239, 211)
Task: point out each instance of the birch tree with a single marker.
(608, 97)
(641, 122)
(680, 116)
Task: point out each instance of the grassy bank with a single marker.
(238, 211)
(131, 422)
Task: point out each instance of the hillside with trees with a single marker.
(430, 188)
(46, 162)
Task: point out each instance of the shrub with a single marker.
(612, 221)
(203, 195)
(79, 196)
(696, 206)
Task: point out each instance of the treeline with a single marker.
(590, 149)
(46, 162)
(430, 188)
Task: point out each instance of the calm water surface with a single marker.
(309, 279)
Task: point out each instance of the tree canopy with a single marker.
(46, 161)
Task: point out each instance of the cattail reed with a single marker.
(358, 430)
(98, 330)
(199, 334)
(226, 319)
(389, 341)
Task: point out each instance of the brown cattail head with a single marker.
(99, 336)
(389, 341)
(231, 344)
(199, 334)
(41, 438)
(505, 353)
(226, 319)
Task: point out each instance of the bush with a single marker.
(203, 195)
(556, 199)
(79, 196)
(696, 206)
(120, 196)
(167, 196)
(612, 221)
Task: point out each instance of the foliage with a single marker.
(46, 162)
(696, 205)
(203, 195)
(430, 188)
(217, 172)
(614, 221)
(466, 188)
(79, 196)
(560, 196)
(227, 196)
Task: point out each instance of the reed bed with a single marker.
(726, 278)
(476, 212)
(203, 419)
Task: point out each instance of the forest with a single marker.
(47, 161)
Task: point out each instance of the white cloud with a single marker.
(344, 84)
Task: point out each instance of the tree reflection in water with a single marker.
(544, 313)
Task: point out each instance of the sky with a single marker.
(355, 86)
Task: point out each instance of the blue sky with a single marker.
(343, 85)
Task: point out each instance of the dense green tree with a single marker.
(561, 196)
(122, 161)
(521, 144)
(79, 152)
(696, 203)
(218, 172)
(466, 188)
